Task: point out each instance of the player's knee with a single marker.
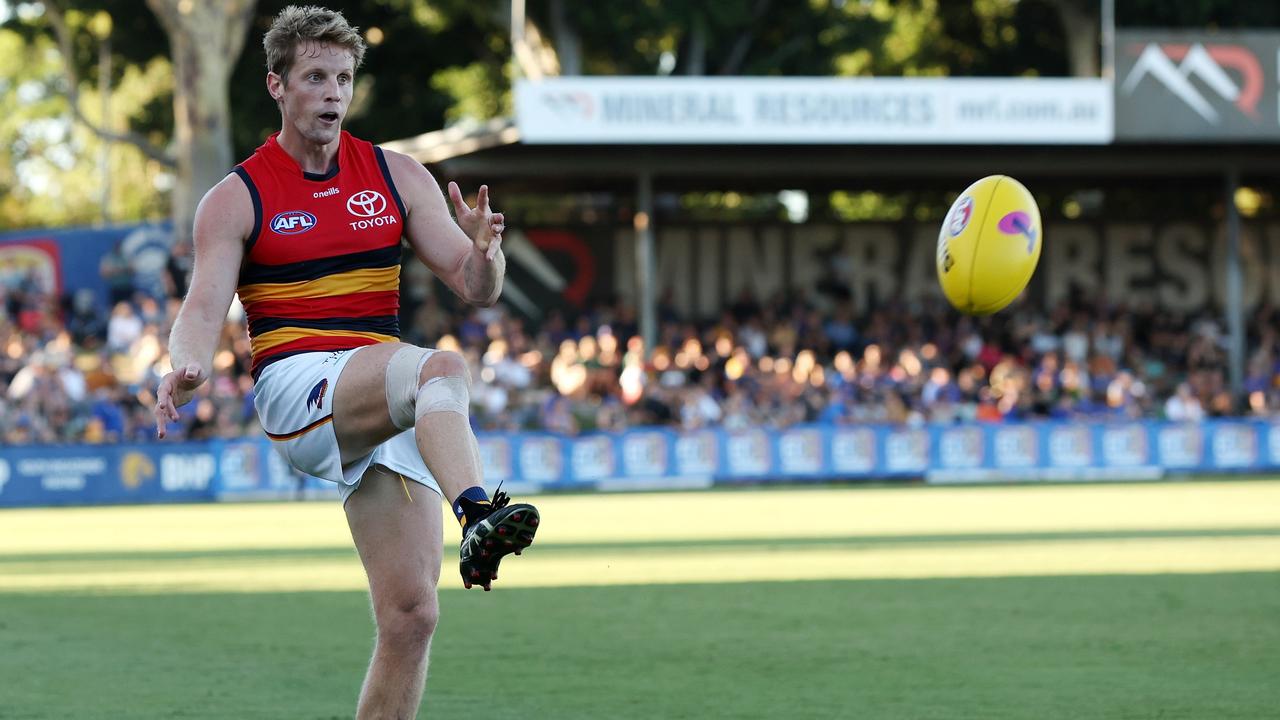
(422, 381)
(445, 363)
(410, 623)
(402, 382)
(446, 386)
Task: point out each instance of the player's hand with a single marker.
(480, 223)
(175, 390)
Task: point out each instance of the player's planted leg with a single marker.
(399, 540)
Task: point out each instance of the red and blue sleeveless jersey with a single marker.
(321, 269)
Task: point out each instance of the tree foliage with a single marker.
(52, 171)
(435, 62)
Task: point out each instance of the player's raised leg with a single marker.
(491, 529)
(397, 530)
(390, 387)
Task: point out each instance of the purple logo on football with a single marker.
(1019, 223)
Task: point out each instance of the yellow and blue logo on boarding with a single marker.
(135, 469)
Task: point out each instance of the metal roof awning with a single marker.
(494, 150)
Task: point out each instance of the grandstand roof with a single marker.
(494, 149)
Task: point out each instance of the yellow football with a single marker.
(989, 245)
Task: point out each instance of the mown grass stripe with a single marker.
(695, 545)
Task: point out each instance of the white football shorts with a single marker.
(294, 399)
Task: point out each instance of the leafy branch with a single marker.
(58, 21)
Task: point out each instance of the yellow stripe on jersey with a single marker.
(344, 283)
(268, 340)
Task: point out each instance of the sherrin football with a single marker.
(989, 245)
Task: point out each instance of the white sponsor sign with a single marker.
(1070, 447)
(1235, 446)
(748, 453)
(1125, 446)
(644, 110)
(238, 466)
(541, 459)
(68, 474)
(907, 451)
(1273, 444)
(186, 472)
(592, 457)
(644, 454)
(495, 457)
(1180, 446)
(853, 451)
(800, 452)
(697, 453)
(1016, 447)
(961, 448)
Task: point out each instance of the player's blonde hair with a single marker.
(299, 24)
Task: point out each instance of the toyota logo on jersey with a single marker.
(366, 204)
(369, 205)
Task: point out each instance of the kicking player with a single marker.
(308, 231)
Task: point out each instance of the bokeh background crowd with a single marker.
(98, 132)
(73, 371)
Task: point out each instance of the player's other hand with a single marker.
(175, 390)
(480, 223)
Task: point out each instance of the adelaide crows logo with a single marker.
(316, 396)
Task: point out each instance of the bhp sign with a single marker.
(1181, 86)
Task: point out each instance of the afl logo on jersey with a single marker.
(292, 222)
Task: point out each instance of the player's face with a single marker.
(315, 100)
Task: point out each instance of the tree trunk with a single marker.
(205, 40)
(696, 46)
(568, 46)
(1080, 23)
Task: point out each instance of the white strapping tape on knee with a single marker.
(403, 370)
(444, 394)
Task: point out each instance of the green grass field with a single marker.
(1090, 601)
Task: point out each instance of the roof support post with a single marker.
(645, 263)
(1235, 291)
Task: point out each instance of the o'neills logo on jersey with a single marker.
(292, 222)
(369, 205)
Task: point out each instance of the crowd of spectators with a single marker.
(71, 371)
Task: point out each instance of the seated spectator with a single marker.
(1184, 406)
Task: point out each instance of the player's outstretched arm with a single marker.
(223, 221)
(467, 254)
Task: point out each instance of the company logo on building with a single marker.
(1175, 65)
(577, 105)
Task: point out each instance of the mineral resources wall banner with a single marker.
(656, 458)
(648, 110)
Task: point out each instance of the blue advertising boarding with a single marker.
(653, 458)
